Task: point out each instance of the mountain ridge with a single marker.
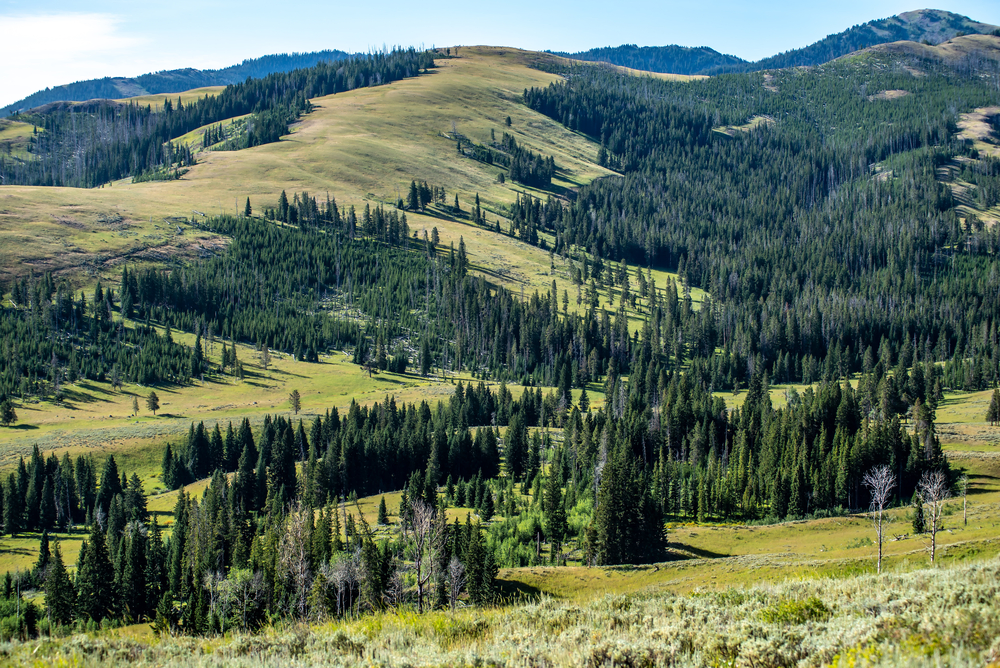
(172, 81)
(931, 25)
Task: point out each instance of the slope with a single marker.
(362, 146)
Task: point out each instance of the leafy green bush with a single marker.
(796, 612)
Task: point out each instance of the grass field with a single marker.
(187, 97)
(14, 138)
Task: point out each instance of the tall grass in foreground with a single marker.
(934, 617)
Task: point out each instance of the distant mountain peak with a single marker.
(932, 26)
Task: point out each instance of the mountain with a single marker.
(172, 81)
(671, 59)
(926, 25)
(932, 26)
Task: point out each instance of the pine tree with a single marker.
(60, 599)
(919, 523)
(413, 199)
(480, 568)
(44, 555)
(555, 513)
(153, 402)
(383, 513)
(993, 412)
(133, 573)
(247, 210)
(8, 415)
(95, 579)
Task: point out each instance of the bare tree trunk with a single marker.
(933, 489)
(880, 482)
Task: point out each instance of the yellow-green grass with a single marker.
(752, 124)
(156, 100)
(366, 144)
(194, 138)
(14, 137)
(720, 556)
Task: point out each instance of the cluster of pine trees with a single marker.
(52, 336)
(225, 567)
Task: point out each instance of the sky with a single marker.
(53, 42)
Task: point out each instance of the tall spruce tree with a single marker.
(97, 591)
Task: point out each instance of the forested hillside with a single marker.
(94, 144)
(671, 59)
(173, 81)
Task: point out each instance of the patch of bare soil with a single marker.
(888, 95)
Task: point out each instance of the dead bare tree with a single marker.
(963, 484)
(456, 580)
(880, 482)
(933, 491)
(423, 532)
(294, 555)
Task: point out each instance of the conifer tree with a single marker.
(60, 599)
(153, 402)
(383, 513)
(993, 412)
(555, 513)
(96, 585)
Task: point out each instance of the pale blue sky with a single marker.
(52, 42)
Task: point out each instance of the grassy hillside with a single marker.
(365, 145)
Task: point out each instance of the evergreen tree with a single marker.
(133, 573)
(556, 525)
(153, 402)
(993, 412)
(60, 599)
(383, 513)
(96, 587)
(919, 523)
(8, 415)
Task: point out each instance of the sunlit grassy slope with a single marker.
(187, 97)
(364, 145)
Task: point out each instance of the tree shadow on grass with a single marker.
(24, 427)
(680, 552)
(515, 590)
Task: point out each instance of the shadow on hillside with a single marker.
(515, 590)
(23, 427)
(680, 551)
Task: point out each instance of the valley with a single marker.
(496, 356)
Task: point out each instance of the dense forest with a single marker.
(671, 59)
(818, 241)
(96, 143)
